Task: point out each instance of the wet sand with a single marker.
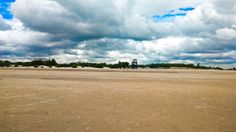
(69, 100)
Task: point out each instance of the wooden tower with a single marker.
(134, 64)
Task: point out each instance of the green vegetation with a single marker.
(5, 63)
(122, 65)
(169, 65)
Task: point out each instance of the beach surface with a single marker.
(104, 100)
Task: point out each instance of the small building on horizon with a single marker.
(134, 64)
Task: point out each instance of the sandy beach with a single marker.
(104, 100)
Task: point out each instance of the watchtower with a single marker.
(134, 63)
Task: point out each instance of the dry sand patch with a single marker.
(117, 100)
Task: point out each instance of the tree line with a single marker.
(124, 65)
(52, 62)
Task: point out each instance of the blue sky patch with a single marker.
(4, 9)
(170, 15)
(187, 9)
(166, 17)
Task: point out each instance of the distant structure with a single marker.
(134, 64)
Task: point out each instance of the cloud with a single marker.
(226, 33)
(3, 24)
(113, 30)
(81, 20)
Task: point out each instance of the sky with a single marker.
(152, 31)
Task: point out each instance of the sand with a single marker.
(69, 100)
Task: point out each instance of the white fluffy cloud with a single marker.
(226, 33)
(112, 30)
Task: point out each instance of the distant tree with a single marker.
(16, 65)
(119, 65)
(1, 63)
(73, 65)
(5, 63)
(52, 62)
